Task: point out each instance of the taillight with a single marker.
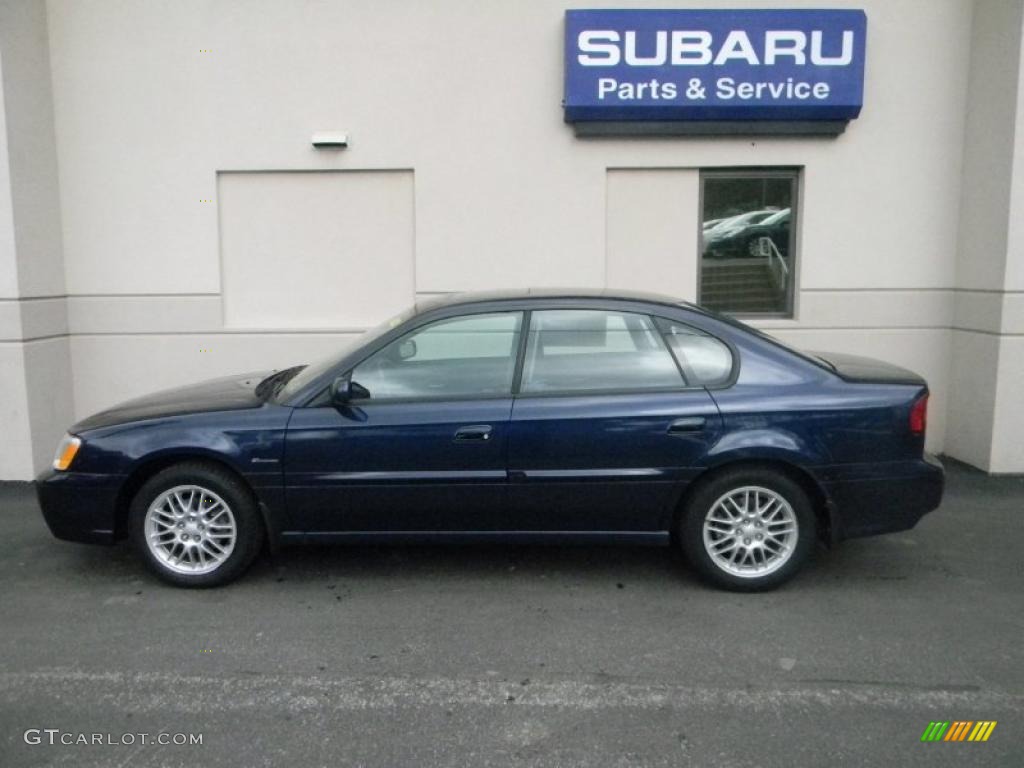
(919, 415)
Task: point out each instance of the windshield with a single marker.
(300, 376)
(775, 218)
(744, 219)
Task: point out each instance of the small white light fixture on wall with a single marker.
(330, 140)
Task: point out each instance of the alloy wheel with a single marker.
(750, 531)
(190, 529)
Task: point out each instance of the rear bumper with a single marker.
(78, 506)
(884, 498)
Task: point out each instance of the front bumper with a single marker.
(885, 498)
(79, 506)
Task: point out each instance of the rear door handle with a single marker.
(687, 424)
(475, 432)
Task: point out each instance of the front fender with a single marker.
(248, 442)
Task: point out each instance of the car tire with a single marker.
(196, 525)
(750, 248)
(747, 530)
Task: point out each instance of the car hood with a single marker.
(227, 394)
(868, 370)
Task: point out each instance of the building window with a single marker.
(748, 232)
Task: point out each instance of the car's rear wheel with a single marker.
(195, 525)
(748, 529)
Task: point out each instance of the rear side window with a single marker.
(705, 361)
(584, 350)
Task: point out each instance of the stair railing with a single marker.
(777, 266)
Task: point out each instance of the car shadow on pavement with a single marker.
(881, 559)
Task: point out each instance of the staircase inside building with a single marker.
(740, 285)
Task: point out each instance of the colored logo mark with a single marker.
(958, 730)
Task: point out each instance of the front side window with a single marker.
(582, 350)
(471, 356)
(747, 241)
(309, 373)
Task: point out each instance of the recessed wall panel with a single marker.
(324, 249)
(652, 220)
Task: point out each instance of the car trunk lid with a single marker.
(868, 370)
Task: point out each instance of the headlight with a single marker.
(66, 452)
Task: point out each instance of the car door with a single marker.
(423, 447)
(605, 429)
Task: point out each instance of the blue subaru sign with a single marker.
(714, 65)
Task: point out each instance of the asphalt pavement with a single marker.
(500, 655)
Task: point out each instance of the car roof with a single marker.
(602, 294)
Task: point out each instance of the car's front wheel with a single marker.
(195, 525)
(748, 529)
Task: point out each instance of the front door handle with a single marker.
(476, 432)
(687, 424)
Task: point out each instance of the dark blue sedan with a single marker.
(529, 417)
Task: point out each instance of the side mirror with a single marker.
(344, 390)
(341, 390)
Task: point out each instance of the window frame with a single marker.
(322, 397)
(795, 175)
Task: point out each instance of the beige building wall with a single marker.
(651, 233)
(987, 374)
(316, 249)
(35, 373)
(189, 191)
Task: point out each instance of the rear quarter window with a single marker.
(704, 360)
